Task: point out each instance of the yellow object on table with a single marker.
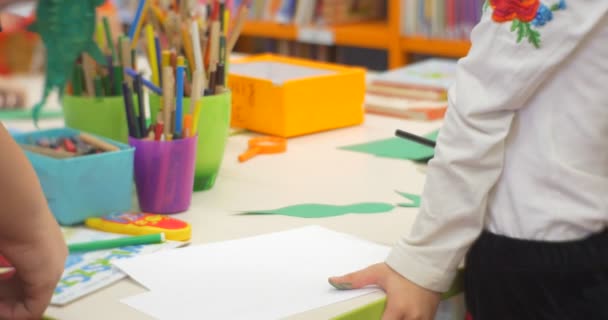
(289, 97)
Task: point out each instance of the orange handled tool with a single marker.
(264, 145)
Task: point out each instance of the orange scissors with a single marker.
(264, 145)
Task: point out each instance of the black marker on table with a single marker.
(415, 138)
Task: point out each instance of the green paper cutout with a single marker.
(314, 210)
(397, 148)
(66, 28)
(413, 197)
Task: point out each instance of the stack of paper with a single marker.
(264, 277)
(416, 91)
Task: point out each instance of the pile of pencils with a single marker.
(92, 79)
(204, 34)
(193, 63)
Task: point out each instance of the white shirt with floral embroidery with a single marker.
(523, 151)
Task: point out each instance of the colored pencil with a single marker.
(179, 119)
(110, 78)
(109, 38)
(77, 80)
(118, 74)
(198, 56)
(99, 37)
(152, 54)
(158, 49)
(97, 82)
(132, 73)
(129, 112)
(166, 58)
(88, 66)
(196, 90)
(187, 126)
(197, 105)
(188, 47)
(125, 54)
(140, 102)
(167, 99)
(237, 29)
(138, 20)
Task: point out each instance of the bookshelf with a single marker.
(385, 35)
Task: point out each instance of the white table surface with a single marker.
(312, 170)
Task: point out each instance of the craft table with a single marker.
(312, 170)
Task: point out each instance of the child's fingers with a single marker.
(356, 280)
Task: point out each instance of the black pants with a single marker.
(511, 279)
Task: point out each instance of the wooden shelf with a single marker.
(268, 29)
(375, 35)
(383, 35)
(439, 47)
(367, 35)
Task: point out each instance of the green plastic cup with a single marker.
(101, 116)
(213, 129)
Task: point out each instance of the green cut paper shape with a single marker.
(397, 148)
(66, 28)
(313, 210)
(414, 198)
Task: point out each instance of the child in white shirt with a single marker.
(520, 175)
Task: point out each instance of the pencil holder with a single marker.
(86, 186)
(164, 174)
(213, 128)
(103, 116)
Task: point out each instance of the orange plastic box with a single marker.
(289, 97)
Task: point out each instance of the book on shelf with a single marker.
(449, 19)
(418, 91)
(316, 12)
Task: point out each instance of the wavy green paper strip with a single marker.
(315, 210)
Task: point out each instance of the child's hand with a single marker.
(405, 299)
(39, 263)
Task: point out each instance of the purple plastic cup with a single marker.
(164, 174)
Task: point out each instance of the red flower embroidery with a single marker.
(508, 10)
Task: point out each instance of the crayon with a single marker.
(98, 143)
(116, 243)
(57, 154)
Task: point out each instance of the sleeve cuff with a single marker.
(422, 274)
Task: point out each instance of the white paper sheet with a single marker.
(264, 277)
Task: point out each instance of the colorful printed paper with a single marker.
(90, 271)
